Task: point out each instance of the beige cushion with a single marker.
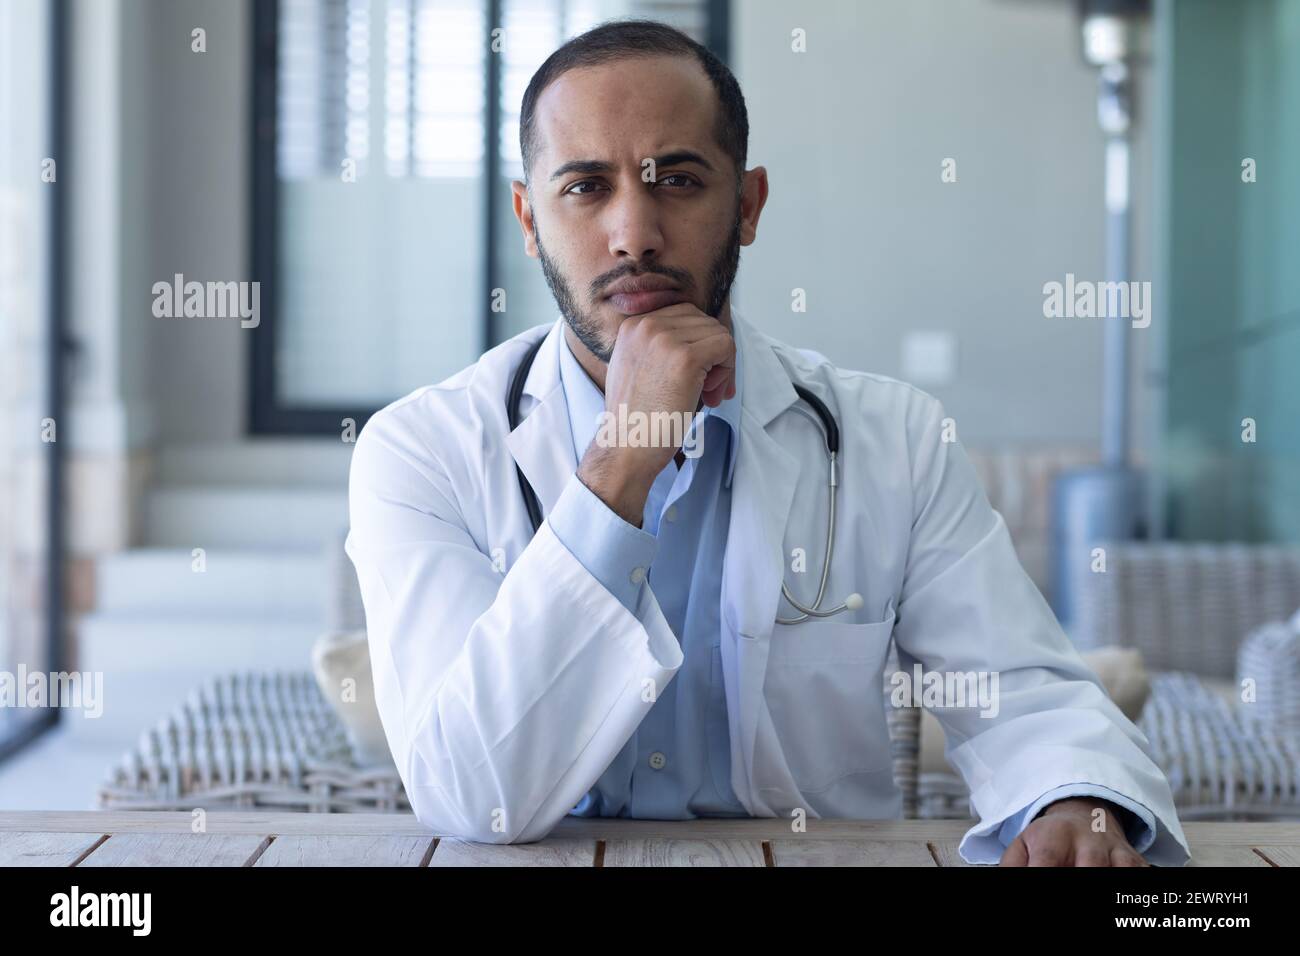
(1119, 669)
(341, 662)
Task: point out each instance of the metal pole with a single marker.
(1114, 108)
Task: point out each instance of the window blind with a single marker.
(406, 79)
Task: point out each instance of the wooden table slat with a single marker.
(1281, 855)
(799, 851)
(946, 854)
(347, 850)
(175, 849)
(549, 852)
(44, 848)
(674, 852)
(1215, 854)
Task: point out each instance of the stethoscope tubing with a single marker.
(825, 423)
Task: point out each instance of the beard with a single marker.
(721, 275)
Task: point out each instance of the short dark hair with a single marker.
(617, 39)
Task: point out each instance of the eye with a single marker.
(576, 189)
(682, 181)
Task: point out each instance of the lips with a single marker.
(634, 295)
(635, 303)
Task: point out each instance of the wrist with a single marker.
(614, 478)
(1086, 804)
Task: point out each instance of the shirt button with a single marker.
(637, 575)
(658, 761)
(671, 513)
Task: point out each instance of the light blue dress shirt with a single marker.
(677, 764)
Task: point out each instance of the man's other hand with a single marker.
(1065, 834)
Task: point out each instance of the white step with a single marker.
(204, 640)
(273, 516)
(162, 579)
(258, 461)
(57, 771)
(150, 662)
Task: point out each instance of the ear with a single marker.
(524, 213)
(753, 196)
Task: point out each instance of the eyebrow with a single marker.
(601, 166)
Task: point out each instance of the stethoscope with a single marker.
(825, 422)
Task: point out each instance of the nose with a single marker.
(634, 231)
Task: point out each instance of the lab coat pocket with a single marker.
(825, 692)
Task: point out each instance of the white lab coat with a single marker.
(507, 677)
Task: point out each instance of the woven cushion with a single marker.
(1220, 762)
(1186, 606)
(341, 663)
(261, 740)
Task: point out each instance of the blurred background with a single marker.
(173, 489)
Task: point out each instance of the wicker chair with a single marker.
(251, 741)
(274, 741)
(1187, 608)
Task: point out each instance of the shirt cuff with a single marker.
(1138, 822)
(614, 552)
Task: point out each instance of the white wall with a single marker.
(853, 132)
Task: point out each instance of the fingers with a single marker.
(718, 356)
(1090, 855)
(684, 344)
(702, 336)
(717, 376)
(1126, 856)
(1084, 851)
(1017, 854)
(683, 321)
(1051, 854)
(714, 350)
(715, 397)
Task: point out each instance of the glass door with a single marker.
(1231, 269)
(30, 425)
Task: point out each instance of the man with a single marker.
(625, 659)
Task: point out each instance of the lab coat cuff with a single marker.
(1161, 843)
(1138, 822)
(612, 551)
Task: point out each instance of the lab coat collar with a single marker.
(766, 389)
(545, 462)
(544, 377)
(730, 412)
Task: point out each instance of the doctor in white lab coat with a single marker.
(507, 677)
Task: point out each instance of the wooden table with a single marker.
(242, 838)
